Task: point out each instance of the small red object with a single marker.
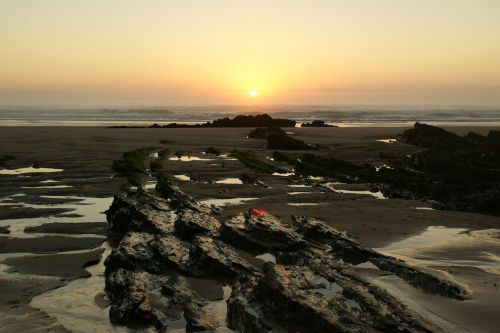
(258, 212)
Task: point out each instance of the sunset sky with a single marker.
(189, 52)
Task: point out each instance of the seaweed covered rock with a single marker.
(213, 151)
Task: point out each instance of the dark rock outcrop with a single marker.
(428, 136)
(436, 138)
(177, 266)
(140, 211)
(453, 172)
(258, 233)
(349, 250)
(285, 142)
(317, 123)
(459, 173)
(190, 223)
(263, 132)
(260, 120)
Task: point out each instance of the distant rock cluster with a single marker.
(260, 120)
(317, 123)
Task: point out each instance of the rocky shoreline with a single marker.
(259, 273)
(46, 289)
(260, 120)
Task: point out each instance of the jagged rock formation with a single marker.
(178, 266)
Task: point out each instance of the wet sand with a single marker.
(85, 155)
(69, 266)
(16, 315)
(96, 228)
(47, 244)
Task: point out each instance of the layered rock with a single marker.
(178, 266)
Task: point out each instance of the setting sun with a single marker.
(294, 118)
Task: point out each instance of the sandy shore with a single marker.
(84, 187)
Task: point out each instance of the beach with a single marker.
(65, 199)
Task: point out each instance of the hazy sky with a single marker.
(215, 51)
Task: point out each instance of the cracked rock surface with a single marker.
(178, 267)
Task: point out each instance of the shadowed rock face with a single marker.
(178, 266)
(285, 142)
(263, 132)
(317, 123)
(428, 136)
(433, 137)
(259, 120)
(460, 173)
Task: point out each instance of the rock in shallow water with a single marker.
(168, 243)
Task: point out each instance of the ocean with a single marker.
(341, 115)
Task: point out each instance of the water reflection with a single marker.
(74, 305)
(182, 177)
(226, 202)
(229, 181)
(189, 159)
(86, 209)
(31, 169)
(377, 194)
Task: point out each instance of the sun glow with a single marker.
(252, 93)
